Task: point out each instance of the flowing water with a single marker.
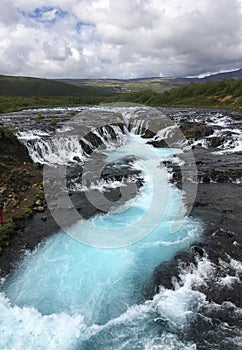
(70, 295)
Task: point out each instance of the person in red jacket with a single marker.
(1, 212)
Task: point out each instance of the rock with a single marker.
(76, 159)
(95, 140)
(3, 189)
(195, 130)
(200, 204)
(39, 209)
(38, 203)
(198, 251)
(215, 141)
(148, 134)
(158, 143)
(167, 272)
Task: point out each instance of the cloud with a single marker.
(125, 39)
(8, 13)
(57, 49)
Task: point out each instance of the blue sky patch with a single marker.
(46, 14)
(80, 25)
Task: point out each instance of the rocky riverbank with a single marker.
(20, 185)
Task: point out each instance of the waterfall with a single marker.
(66, 146)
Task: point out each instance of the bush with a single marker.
(53, 121)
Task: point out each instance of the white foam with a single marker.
(220, 120)
(228, 281)
(25, 328)
(180, 305)
(32, 135)
(236, 265)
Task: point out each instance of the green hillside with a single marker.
(220, 94)
(24, 86)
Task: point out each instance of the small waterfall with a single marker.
(138, 126)
(58, 150)
(107, 129)
(67, 147)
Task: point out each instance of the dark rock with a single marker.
(95, 140)
(158, 143)
(194, 130)
(166, 273)
(198, 250)
(215, 141)
(76, 159)
(148, 134)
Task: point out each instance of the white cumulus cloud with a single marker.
(124, 39)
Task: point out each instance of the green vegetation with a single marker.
(11, 104)
(5, 232)
(220, 94)
(153, 92)
(29, 87)
(53, 121)
(39, 116)
(6, 136)
(18, 93)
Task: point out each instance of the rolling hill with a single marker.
(29, 87)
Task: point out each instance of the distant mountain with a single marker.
(236, 74)
(156, 84)
(28, 87)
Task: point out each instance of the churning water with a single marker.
(70, 295)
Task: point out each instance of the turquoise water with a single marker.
(71, 295)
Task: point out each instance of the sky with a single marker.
(119, 38)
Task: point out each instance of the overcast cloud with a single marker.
(122, 39)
